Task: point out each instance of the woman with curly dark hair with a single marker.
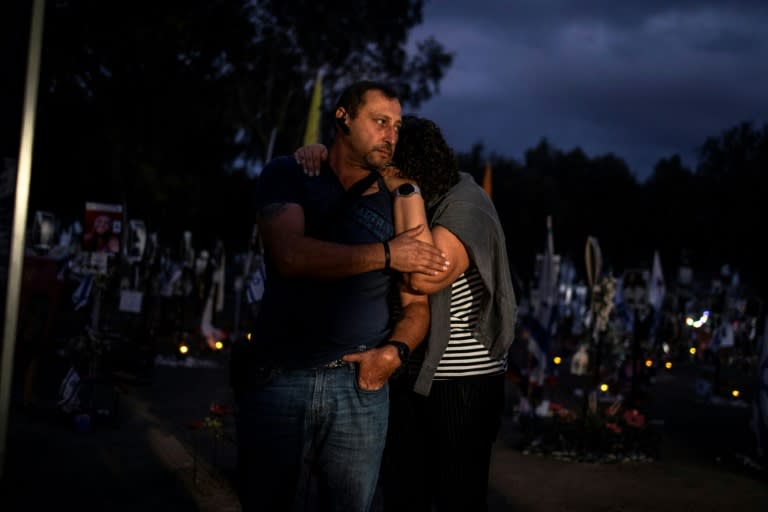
(422, 155)
(446, 406)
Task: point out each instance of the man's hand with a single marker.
(375, 366)
(411, 255)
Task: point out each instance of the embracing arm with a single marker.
(457, 256)
(411, 251)
(409, 212)
(296, 255)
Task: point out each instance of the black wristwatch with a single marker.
(407, 189)
(403, 351)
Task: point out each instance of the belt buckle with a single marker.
(338, 363)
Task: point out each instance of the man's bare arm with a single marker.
(378, 364)
(297, 255)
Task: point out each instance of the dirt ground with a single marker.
(707, 462)
(706, 458)
(535, 483)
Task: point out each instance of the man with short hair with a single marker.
(315, 399)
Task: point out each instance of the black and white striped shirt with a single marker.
(465, 356)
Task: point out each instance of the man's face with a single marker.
(375, 129)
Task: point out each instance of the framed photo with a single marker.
(103, 227)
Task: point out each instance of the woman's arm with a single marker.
(408, 207)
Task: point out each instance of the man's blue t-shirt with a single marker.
(305, 322)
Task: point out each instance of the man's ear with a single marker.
(341, 120)
(343, 126)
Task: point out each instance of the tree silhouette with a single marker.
(707, 218)
(159, 104)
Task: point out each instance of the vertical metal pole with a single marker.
(23, 178)
(635, 353)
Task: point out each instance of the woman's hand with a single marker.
(311, 158)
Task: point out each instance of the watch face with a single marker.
(406, 189)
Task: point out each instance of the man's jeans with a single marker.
(311, 435)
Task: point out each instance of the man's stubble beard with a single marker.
(372, 161)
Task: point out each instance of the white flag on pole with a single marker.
(548, 280)
(656, 286)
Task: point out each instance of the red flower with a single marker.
(634, 419)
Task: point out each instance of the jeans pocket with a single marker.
(353, 371)
(370, 392)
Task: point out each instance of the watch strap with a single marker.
(403, 350)
(407, 190)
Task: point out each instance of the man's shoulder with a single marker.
(281, 180)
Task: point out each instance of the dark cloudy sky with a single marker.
(641, 79)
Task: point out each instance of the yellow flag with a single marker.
(488, 179)
(312, 133)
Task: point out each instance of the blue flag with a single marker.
(83, 291)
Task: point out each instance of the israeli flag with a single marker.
(254, 285)
(83, 291)
(169, 276)
(69, 390)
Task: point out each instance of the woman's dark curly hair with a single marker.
(421, 154)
